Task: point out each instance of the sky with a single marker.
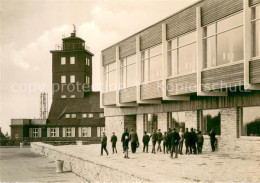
(31, 28)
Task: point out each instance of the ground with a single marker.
(159, 167)
(24, 166)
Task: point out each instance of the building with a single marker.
(198, 68)
(75, 110)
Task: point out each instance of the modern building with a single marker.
(75, 110)
(198, 68)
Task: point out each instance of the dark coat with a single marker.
(133, 137)
(212, 136)
(200, 139)
(159, 136)
(125, 138)
(175, 138)
(154, 137)
(187, 137)
(104, 140)
(146, 139)
(193, 137)
(114, 139)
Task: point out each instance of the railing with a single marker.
(71, 46)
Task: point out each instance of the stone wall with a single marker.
(191, 119)
(140, 127)
(162, 122)
(114, 124)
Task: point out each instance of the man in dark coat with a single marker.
(187, 140)
(212, 135)
(169, 139)
(193, 139)
(146, 140)
(113, 141)
(175, 143)
(200, 141)
(104, 143)
(159, 140)
(134, 140)
(125, 142)
(165, 145)
(154, 140)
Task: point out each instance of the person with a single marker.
(154, 140)
(169, 139)
(165, 146)
(134, 140)
(146, 140)
(104, 143)
(193, 139)
(175, 143)
(212, 136)
(200, 141)
(181, 141)
(125, 142)
(113, 141)
(159, 140)
(187, 140)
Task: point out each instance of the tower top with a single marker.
(73, 34)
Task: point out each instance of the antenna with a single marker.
(43, 105)
(74, 28)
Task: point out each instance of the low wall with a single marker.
(85, 167)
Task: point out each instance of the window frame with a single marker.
(72, 60)
(68, 132)
(254, 20)
(72, 78)
(63, 60)
(90, 115)
(63, 79)
(63, 96)
(52, 131)
(67, 116)
(124, 68)
(35, 132)
(101, 115)
(106, 73)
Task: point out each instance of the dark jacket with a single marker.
(193, 137)
(164, 138)
(159, 136)
(212, 136)
(154, 137)
(200, 139)
(104, 140)
(187, 137)
(114, 139)
(133, 137)
(175, 138)
(125, 138)
(169, 137)
(146, 139)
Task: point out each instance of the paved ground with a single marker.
(158, 167)
(21, 165)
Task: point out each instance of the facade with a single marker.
(75, 110)
(198, 68)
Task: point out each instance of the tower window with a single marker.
(72, 79)
(84, 115)
(63, 60)
(87, 79)
(72, 60)
(87, 62)
(63, 96)
(73, 115)
(67, 115)
(72, 96)
(63, 79)
(90, 115)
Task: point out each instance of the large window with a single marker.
(63, 60)
(250, 121)
(211, 121)
(152, 64)
(35, 132)
(110, 77)
(182, 55)
(176, 120)
(223, 41)
(63, 79)
(150, 122)
(128, 72)
(53, 132)
(68, 132)
(255, 31)
(72, 78)
(86, 131)
(100, 131)
(72, 60)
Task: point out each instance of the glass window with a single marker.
(209, 51)
(155, 68)
(87, 61)
(256, 12)
(84, 115)
(72, 60)
(187, 39)
(110, 77)
(67, 115)
(35, 132)
(63, 79)
(87, 79)
(68, 132)
(63, 60)
(256, 38)
(72, 79)
(230, 22)
(90, 115)
(101, 115)
(157, 50)
(63, 96)
(150, 122)
(73, 115)
(211, 121)
(72, 96)
(187, 59)
(85, 131)
(53, 132)
(210, 30)
(128, 71)
(251, 121)
(177, 120)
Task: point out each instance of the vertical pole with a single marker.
(247, 42)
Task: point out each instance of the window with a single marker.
(72, 60)
(72, 79)
(101, 115)
(63, 96)
(100, 131)
(152, 64)
(250, 125)
(211, 120)
(90, 115)
(53, 132)
(73, 115)
(87, 61)
(150, 122)
(72, 96)
(63, 79)
(255, 31)
(35, 132)
(182, 55)
(128, 71)
(223, 41)
(110, 77)
(87, 79)
(68, 132)
(84, 115)
(67, 115)
(86, 132)
(176, 120)
(63, 60)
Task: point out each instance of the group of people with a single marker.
(172, 141)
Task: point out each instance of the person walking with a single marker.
(113, 141)
(212, 136)
(175, 143)
(104, 143)
(134, 140)
(181, 141)
(125, 142)
(200, 141)
(165, 146)
(187, 140)
(193, 139)
(146, 140)
(169, 139)
(159, 140)
(154, 140)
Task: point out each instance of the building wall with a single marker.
(114, 124)
(17, 130)
(162, 122)
(140, 127)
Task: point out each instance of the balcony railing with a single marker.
(71, 46)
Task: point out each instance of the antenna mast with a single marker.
(43, 105)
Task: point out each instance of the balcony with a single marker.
(71, 47)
